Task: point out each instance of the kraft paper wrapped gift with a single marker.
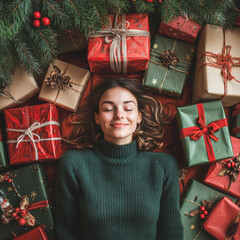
(192, 200)
(209, 81)
(22, 88)
(70, 96)
(204, 133)
(220, 219)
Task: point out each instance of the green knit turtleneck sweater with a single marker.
(116, 192)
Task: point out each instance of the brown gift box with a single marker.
(23, 88)
(70, 97)
(208, 80)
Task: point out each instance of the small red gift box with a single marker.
(222, 182)
(33, 133)
(180, 28)
(123, 46)
(220, 219)
(36, 234)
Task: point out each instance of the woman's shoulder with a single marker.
(165, 160)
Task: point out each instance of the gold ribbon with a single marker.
(171, 67)
(117, 35)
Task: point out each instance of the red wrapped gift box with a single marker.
(222, 182)
(221, 217)
(180, 28)
(36, 234)
(122, 47)
(33, 133)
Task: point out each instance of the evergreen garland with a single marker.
(35, 48)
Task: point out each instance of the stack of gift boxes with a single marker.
(124, 47)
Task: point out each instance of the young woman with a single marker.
(113, 189)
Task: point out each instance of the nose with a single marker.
(119, 113)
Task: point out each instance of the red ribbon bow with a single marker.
(196, 132)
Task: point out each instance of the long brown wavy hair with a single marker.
(148, 134)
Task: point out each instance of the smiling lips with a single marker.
(118, 125)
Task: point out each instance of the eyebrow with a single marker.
(125, 102)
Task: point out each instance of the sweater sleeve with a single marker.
(169, 222)
(67, 224)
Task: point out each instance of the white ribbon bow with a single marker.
(29, 132)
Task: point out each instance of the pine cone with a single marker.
(232, 230)
(169, 58)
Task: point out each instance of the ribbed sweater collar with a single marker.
(117, 154)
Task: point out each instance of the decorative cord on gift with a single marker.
(196, 132)
(116, 36)
(224, 61)
(6, 93)
(29, 132)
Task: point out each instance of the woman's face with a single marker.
(118, 115)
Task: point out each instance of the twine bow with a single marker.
(224, 61)
(6, 93)
(117, 35)
(29, 132)
(57, 79)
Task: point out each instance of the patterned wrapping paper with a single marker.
(180, 28)
(221, 217)
(23, 88)
(3, 156)
(37, 233)
(168, 81)
(70, 96)
(33, 133)
(204, 133)
(29, 181)
(235, 130)
(137, 47)
(213, 61)
(222, 183)
(197, 192)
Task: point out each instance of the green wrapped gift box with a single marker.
(3, 156)
(192, 226)
(31, 181)
(204, 133)
(168, 80)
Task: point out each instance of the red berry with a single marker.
(36, 14)
(9, 180)
(22, 221)
(6, 178)
(36, 23)
(202, 208)
(17, 217)
(150, 0)
(23, 212)
(45, 21)
(233, 164)
(17, 209)
(205, 212)
(14, 214)
(229, 164)
(202, 216)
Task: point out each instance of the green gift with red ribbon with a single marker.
(236, 121)
(24, 202)
(204, 133)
